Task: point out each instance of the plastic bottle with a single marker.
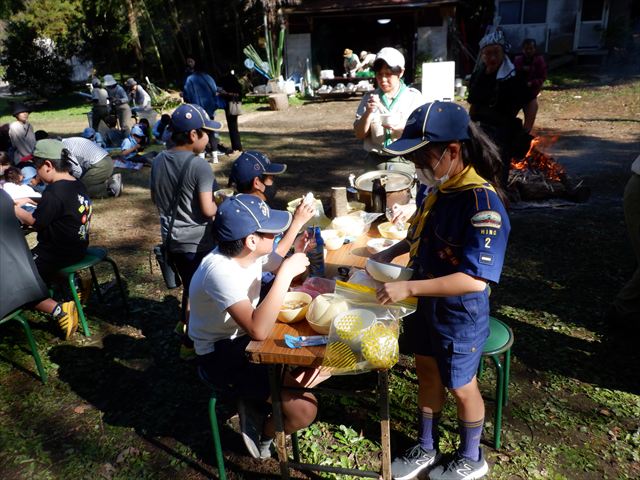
(316, 256)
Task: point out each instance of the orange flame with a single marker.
(537, 160)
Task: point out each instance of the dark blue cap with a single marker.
(251, 164)
(245, 214)
(88, 133)
(189, 117)
(432, 122)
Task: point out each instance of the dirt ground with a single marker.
(129, 393)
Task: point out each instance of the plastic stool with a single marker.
(93, 256)
(498, 347)
(32, 344)
(213, 419)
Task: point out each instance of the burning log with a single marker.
(539, 177)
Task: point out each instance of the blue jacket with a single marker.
(200, 89)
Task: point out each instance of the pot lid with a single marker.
(396, 180)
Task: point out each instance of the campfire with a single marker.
(539, 177)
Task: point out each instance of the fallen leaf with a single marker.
(80, 409)
(125, 453)
(107, 470)
(605, 412)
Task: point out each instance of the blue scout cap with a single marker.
(432, 122)
(137, 131)
(189, 117)
(252, 164)
(88, 133)
(245, 214)
(28, 173)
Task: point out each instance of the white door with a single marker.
(591, 23)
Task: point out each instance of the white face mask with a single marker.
(427, 177)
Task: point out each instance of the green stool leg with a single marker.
(76, 299)
(120, 286)
(497, 427)
(32, 345)
(507, 372)
(480, 368)
(213, 417)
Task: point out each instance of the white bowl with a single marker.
(350, 225)
(376, 245)
(387, 272)
(333, 239)
(292, 315)
(389, 230)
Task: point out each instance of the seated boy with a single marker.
(226, 316)
(63, 215)
(133, 145)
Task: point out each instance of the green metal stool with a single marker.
(32, 344)
(498, 347)
(213, 419)
(94, 256)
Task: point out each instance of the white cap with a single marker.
(109, 81)
(391, 57)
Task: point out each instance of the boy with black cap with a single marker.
(192, 231)
(21, 134)
(226, 316)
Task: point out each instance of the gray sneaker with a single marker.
(265, 447)
(413, 461)
(251, 423)
(114, 185)
(460, 468)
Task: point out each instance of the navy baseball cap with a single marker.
(88, 133)
(251, 164)
(432, 122)
(245, 214)
(189, 117)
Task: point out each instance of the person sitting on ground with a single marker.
(113, 136)
(17, 185)
(226, 316)
(143, 123)
(23, 139)
(93, 166)
(100, 103)
(391, 97)
(192, 232)
(133, 145)
(140, 98)
(93, 135)
(534, 68)
(24, 287)
(160, 126)
(63, 216)
(350, 63)
(119, 102)
(253, 173)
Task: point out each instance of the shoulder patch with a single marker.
(487, 218)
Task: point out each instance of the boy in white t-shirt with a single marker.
(226, 316)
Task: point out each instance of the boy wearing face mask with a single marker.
(253, 173)
(457, 243)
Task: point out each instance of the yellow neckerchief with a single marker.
(465, 180)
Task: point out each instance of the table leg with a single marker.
(385, 432)
(275, 372)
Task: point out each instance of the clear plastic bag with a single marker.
(365, 337)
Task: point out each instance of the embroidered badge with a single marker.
(486, 259)
(487, 218)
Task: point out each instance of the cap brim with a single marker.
(404, 146)
(279, 221)
(211, 125)
(275, 169)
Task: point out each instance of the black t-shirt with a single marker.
(62, 221)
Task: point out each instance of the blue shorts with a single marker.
(228, 367)
(453, 330)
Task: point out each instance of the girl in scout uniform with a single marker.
(457, 242)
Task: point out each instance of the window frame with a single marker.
(523, 4)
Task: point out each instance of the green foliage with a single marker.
(53, 19)
(32, 63)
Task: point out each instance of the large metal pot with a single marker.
(397, 185)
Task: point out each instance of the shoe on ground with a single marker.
(460, 468)
(181, 328)
(251, 423)
(412, 462)
(265, 448)
(68, 319)
(114, 185)
(187, 353)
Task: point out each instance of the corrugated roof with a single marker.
(320, 6)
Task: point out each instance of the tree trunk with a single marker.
(153, 40)
(132, 18)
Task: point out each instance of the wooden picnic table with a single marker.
(274, 353)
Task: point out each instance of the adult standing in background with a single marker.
(366, 61)
(382, 114)
(100, 100)
(21, 134)
(231, 91)
(496, 94)
(140, 98)
(119, 102)
(350, 63)
(200, 89)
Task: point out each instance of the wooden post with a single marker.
(278, 101)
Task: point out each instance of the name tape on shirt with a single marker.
(487, 218)
(486, 259)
